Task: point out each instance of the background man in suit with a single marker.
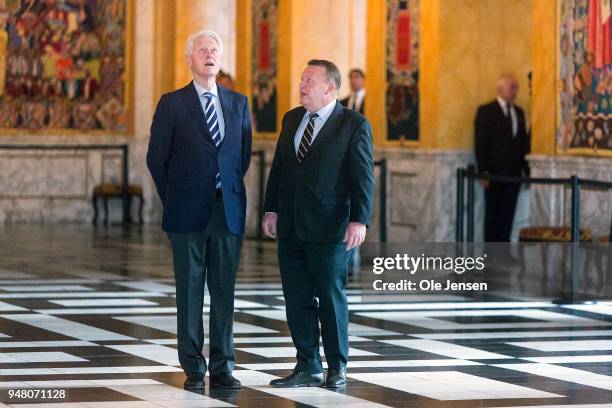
(318, 203)
(356, 99)
(199, 152)
(501, 145)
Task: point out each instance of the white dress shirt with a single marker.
(504, 106)
(324, 114)
(216, 102)
(356, 99)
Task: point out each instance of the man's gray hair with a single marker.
(203, 33)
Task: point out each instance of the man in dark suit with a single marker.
(199, 152)
(318, 203)
(501, 144)
(356, 99)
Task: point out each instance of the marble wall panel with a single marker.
(35, 176)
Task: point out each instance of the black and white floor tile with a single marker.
(92, 314)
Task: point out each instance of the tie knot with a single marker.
(313, 116)
(207, 96)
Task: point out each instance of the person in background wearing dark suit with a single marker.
(501, 144)
(356, 99)
(318, 203)
(225, 79)
(199, 152)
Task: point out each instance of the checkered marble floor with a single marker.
(87, 319)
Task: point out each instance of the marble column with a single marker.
(317, 29)
(195, 15)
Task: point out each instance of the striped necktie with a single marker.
(213, 125)
(306, 137)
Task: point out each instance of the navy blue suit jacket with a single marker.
(184, 161)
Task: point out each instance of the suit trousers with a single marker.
(211, 255)
(500, 204)
(310, 270)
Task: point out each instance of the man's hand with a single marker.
(484, 183)
(269, 224)
(354, 235)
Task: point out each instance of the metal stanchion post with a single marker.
(470, 203)
(575, 266)
(383, 200)
(459, 213)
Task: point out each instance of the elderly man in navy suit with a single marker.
(199, 152)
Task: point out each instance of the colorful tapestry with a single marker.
(402, 70)
(585, 77)
(263, 64)
(62, 65)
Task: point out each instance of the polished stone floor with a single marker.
(87, 319)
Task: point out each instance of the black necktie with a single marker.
(306, 137)
(509, 118)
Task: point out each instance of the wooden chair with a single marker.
(108, 191)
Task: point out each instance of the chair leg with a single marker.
(140, 209)
(129, 215)
(95, 208)
(523, 271)
(106, 211)
(544, 258)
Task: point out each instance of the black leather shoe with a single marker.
(299, 379)
(224, 380)
(335, 378)
(194, 381)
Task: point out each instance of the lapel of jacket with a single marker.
(225, 97)
(505, 120)
(327, 130)
(499, 110)
(192, 100)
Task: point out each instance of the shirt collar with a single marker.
(360, 93)
(502, 102)
(201, 90)
(325, 112)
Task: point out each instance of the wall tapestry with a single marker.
(63, 65)
(263, 64)
(585, 77)
(402, 70)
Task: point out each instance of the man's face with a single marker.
(356, 81)
(205, 57)
(315, 90)
(508, 89)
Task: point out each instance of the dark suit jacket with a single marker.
(184, 161)
(497, 152)
(345, 102)
(334, 184)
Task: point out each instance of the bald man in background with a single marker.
(501, 144)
